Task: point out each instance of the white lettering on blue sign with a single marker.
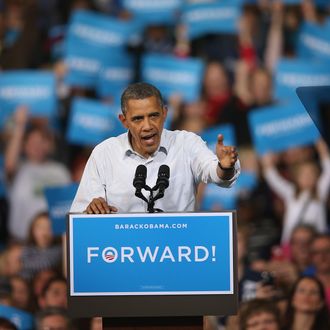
(84, 64)
(97, 35)
(32, 92)
(152, 4)
(315, 43)
(197, 15)
(284, 125)
(91, 121)
(305, 79)
(173, 77)
(118, 74)
(198, 253)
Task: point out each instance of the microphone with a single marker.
(163, 180)
(139, 181)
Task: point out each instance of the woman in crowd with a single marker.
(41, 252)
(306, 306)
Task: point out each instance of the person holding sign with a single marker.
(107, 183)
(305, 199)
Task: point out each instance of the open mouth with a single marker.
(149, 139)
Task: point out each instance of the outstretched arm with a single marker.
(14, 146)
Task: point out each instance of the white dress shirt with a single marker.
(110, 171)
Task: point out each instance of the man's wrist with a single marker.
(225, 168)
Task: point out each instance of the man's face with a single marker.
(53, 322)
(321, 254)
(145, 120)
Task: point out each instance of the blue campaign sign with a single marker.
(210, 135)
(2, 177)
(142, 254)
(91, 122)
(319, 3)
(154, 12)
(59, 200)
(116, 73)
(34, 89)
(214, 17)
(84, 65)
(217, 199)
(291, 74)
(311, 98)
(314, 41)
(91, 29)
(278, 128)
(22, 320)
(173, 75)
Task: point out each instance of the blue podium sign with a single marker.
(125, 256)
(152, 258)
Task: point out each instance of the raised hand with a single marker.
(227, 155)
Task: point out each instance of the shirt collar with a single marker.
(163, 145)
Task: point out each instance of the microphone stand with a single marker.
(152, 198)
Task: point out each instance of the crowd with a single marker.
(283, 221)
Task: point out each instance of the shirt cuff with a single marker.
(225, 183)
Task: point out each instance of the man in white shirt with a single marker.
(107, 183)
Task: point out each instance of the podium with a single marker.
(152, 270)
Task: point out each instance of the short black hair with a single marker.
(50, 311)
(140, 91)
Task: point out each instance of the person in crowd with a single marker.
(306, 308)
(53, 318)
(41, 251)
(305, 201)
(5, 291)
(320, 249)
(29, 177)
(217, 93)
(54, 293)
(21, 293)
(6, 324)
(252, 284)
(106, 185)
(188, 116)
(298, 251)
(259, 314)
(11, 260)
(39, 282)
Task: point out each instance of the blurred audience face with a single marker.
(262, 321)
(297, 155)
(261, 87)
(321, 254)
(53, 322)
(12, 260)
(37, 146)
(300, 244)
(307, 297)
(215, 80)
(55, 296)
(42, 231)
(41, 279)
(20, 294)
(306, 175)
